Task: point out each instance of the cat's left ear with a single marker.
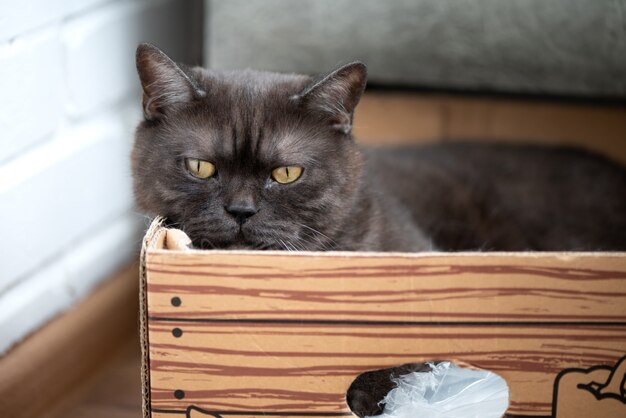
(337, 94)
(165, 85)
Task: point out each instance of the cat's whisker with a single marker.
(284, 245)
(275, 238)
(266, 238)
(297, 245)
(278, 237)
(309, 244)
(314, 241)
(205, 241)
(293, 245)
(317, 234)
(315, 231)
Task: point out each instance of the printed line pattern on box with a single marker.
(285, 334)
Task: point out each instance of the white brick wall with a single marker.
(70, 102)
(19, 17)
(36, 57)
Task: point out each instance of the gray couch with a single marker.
(553, 47)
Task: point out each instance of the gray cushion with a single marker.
(563, 47)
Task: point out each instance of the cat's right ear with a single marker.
(336, 95)
(165, 85)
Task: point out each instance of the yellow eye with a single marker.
(199, 168)
(287, 174)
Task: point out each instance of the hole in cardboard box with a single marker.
(430, 390)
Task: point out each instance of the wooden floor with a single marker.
(114, 392)
(113, 389)
(85, 363)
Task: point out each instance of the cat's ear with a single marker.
(337, 94)
(165, 85)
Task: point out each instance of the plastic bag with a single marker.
(447, 391)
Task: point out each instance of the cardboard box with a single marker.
(249, 334)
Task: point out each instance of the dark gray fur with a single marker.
(452, 196)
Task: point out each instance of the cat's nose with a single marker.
(241, 212)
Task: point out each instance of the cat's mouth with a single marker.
(244, 239)
(258, 239)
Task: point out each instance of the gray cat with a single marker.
(249, 159)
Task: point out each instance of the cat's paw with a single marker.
(363, 404)
(177, 240)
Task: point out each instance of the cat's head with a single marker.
(247, 159)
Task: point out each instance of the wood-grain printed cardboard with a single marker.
(251, 334)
